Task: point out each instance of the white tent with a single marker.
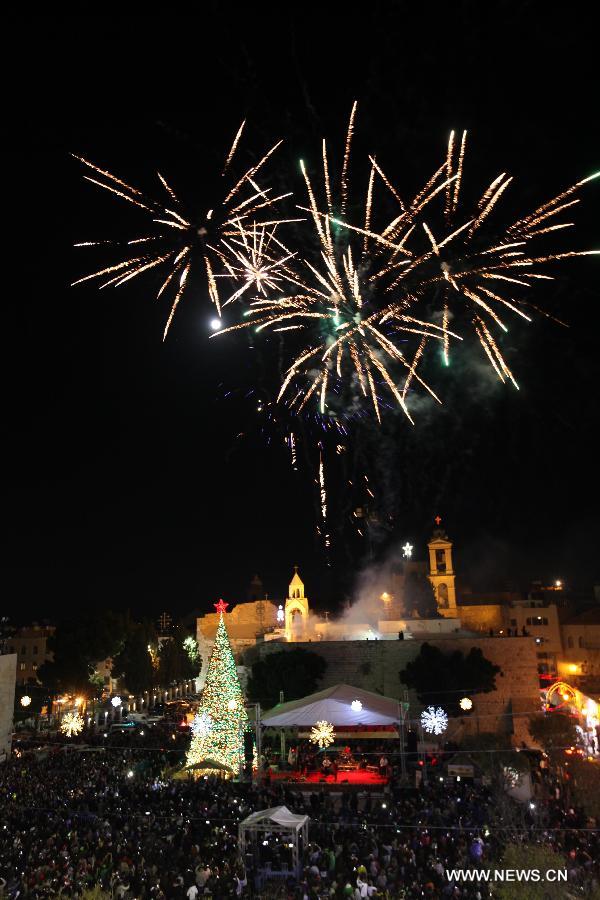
(276, 822)
(336, 705)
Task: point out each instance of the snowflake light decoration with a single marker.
(71, 724)
(434, 721)
(116, 701)
(466, 703)
(25, 700)
(322, 734)
(201, 725)
(356, 705)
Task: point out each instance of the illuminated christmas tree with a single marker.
(221, 713)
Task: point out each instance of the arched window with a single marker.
(580, 642)
(569, 641)
(35, 650)
(443, 595)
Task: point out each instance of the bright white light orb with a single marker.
(231, 705)
(356, 705)
(407, 550)
(116, 701)
(434, 721)
(25, 700)
(216, 324)
(466, 703)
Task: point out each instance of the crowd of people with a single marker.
(116, 817)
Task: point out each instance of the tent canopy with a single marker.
(278, 815)
(334, 705)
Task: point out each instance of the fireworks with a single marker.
(434, 721)
(322, 734)
(72, 723)
(368, 306)
(361, 312)
(360, 291)
(179, 241)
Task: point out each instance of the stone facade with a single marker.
(30, 645)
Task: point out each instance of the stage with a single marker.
(346, 780)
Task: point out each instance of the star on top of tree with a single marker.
(221, 606)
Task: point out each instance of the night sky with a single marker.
(139, 474)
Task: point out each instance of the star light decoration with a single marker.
(466, 703)
(322, 734)
(71, 724)
(434, 720)
(407, 550)
(356, 705)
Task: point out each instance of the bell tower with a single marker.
(296, 610)
(441, 570)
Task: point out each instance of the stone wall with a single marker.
(376, 665)
(8, 672)
(482, 617)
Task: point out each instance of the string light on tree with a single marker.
(434, 720)
(218, 728)
(322, 734)
(71, 724)
(466, 704)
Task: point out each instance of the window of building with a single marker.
(569, 641)
(35, 650)
(22, 666)
(23, 651)
(440, 560)
(513, 621)
(580, 642)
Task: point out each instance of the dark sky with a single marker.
(127, 483)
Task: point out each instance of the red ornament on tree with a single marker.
(221, 606)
